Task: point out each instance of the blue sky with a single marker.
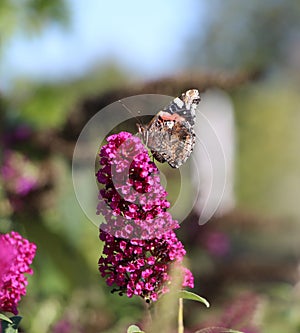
(147, 38)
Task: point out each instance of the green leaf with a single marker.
(193, 297)
(3, 317)
(16, 320)
(11, 327)
(134, 329)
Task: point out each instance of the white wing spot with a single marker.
(179, 102)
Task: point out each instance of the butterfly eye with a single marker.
(196, 100)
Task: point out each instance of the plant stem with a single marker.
(180, 316)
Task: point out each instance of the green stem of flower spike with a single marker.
(149, 319)
(180, 316)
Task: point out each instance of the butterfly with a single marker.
(170, 134)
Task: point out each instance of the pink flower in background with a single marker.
(139, 242)
(20, 175)
(66, 326)
(217, 243)
(16, 255)
(7, 255)
(239, 314)
(16, 134)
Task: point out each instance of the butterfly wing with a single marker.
(170, 135)
(185, 106)
(170, 139)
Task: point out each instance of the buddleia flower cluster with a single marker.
(16, 256)
(140, 245)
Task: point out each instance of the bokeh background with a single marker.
(63, 60)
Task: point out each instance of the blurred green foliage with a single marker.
(268, 161)
(66, 286)
(46, 105)
(30, 17)
(238, 35)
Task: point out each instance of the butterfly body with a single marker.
(170, 134)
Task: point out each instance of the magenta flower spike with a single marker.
(139, 240)
(16, 256)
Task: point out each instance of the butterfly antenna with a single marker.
(130, 111)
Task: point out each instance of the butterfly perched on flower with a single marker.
(170, 134)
